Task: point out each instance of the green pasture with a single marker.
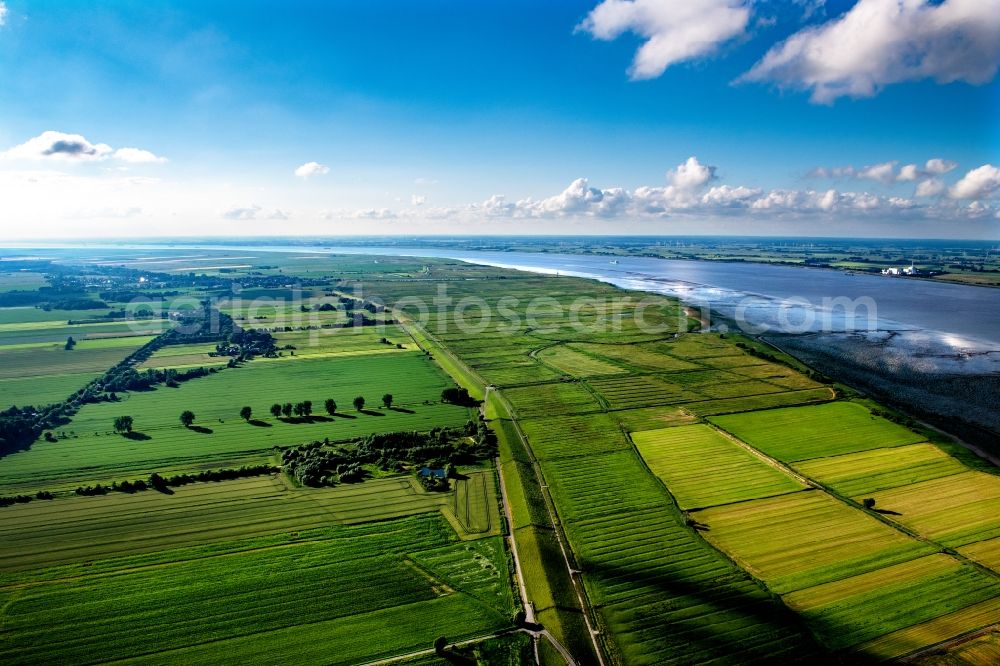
(804, 539)
(856, 474)
(815, 431)
(952, 510)
(702, 468)
(399, 584)
(847, 612)
(220, 438)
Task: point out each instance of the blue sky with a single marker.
(439, 117)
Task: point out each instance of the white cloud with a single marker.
(417, 200)
(835, 172)
(930, 187)
(241, 212)
(691, 175)
(938, 166)
(883, 173)
(908, 173)
(727, 195)
(881, 42)
(3, 13)
(62, 147)
(886, 172)
(977, 184)
(674, 30)
(52, 145)
(373, 214)
(138, 156)
(312, 169)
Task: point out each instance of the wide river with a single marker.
(931, 347)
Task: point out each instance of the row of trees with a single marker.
(304, 409)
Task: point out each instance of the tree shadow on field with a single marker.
(299, 420)
(260, 424)
(136, 436)
(403, 410)
(759, 626)
(340, 415)
(200, 429)
(887, 512)
(372, 412)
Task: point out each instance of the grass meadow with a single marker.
(703, 468)
(221, 438)
(816, 431)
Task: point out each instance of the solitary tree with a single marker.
(286, 409)
(359, 403)
(123, 424)
(869, 502)
(70, 343)
(187, 418)
(275, 410)
(331, 406)
(387, 400)
(440, 643)
(246, 413)
(307, 407)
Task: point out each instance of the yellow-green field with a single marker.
(857, 609)
(805, 539)
(703, 468)
(83, 528)
(816, 431)
(953, 510)
(986, 553)
(856, 474)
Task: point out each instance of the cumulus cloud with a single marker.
(138, 156)
(417, 200)
(3, 13)
(310, 169)
(883, 173)
(977, 184)
(690, 190)
(886, 172)
(938, 166)
(728, 196)
(832, 172)
(908, 173)
(674, 30)
(63, 147)
(881, 42)
(930, 187)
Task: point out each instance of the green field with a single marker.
(857, 474)
(184, 356)
(986, 553)
(703, 468)
(952, 510)
(860, 608)
(805, 539)
(405, 582)
(815, 432)
(666, 463)
(95, 453)
(78, 529)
